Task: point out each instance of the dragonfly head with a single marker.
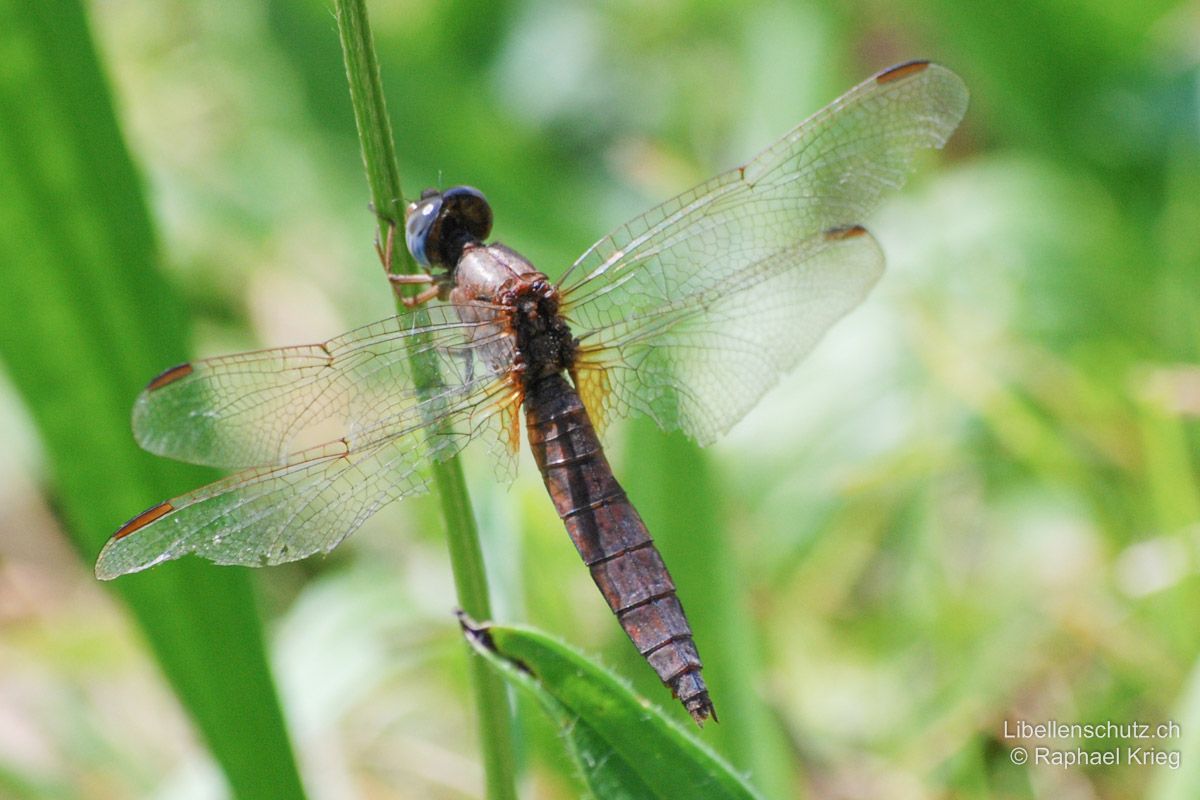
(439, 225)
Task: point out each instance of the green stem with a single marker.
(466, 556)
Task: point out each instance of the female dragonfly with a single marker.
(687, 313)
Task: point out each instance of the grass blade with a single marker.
(86, 320)
(466, 555)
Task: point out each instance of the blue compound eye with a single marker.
(417, 224)
(439, 225)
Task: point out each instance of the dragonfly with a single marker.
(687, 313)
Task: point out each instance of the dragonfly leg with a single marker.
(421, 298)
(385, 252)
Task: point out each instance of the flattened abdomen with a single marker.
(612, 539)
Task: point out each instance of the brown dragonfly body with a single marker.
(605, 527)
(687, 313)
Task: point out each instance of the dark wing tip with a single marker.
(106, 569)
(143, 519)
(169, 376)
(843, 232)
(901, 71)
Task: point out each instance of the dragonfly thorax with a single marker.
(495, 282)
(544, 342)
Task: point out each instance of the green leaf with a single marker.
(673, 484)
(623, 746)
(85, 320)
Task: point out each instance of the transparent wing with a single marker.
(261, 407)
(270, 515)
(697, 306)
(389, 424)
(702, 361)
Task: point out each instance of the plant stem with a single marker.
(466, 556)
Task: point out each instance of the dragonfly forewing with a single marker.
(701, 303)
(262, 407)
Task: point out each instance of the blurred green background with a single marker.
(975, 504)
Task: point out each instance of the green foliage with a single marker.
(625, 748)
(976, 503)
(86, 319)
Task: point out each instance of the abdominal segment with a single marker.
(612, 539)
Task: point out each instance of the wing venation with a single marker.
(701, 303)
(261, 407)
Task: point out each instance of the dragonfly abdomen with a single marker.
(612, 539)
